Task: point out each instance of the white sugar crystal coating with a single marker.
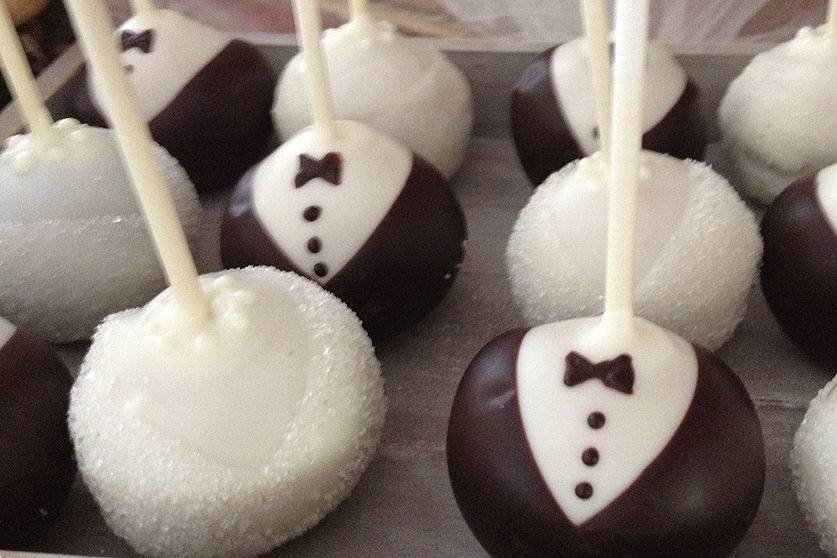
(814, 464)
(73, 244)
(232, 439)
(779, 117)
(698, 248)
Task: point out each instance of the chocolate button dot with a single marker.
(590, 457)
(321, 270)
(312, 213)
(584, 490)
(314, 245)
(596, 420)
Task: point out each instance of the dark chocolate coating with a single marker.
(799, 270)
(545, 143)
(696, 499)
(37, 465)
(219, 125)
(400, 274)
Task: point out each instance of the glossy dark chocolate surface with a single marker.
(696, 499)
(400, 274)
(37, 465)
(219, 125)
(545, 142)
(799, 270)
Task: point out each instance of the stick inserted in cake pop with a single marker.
(360, 10)
(831, 23)
(91, 20)
(310, 30)
(18, 74)
(142, 7)
(597, 30)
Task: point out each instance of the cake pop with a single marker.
(206, 95)
(799, 273)
(553, 113)
(403, 88)
(350, 208)
(606, 436)
(73, 246)
(36, 456)
(778, 117)
(242, 406)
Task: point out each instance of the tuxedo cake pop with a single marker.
(352, 209)
(778, 117)
(799, 273)
(206, 95)
(606, 436)
(406, 89)
(36, 456)
(242, 406)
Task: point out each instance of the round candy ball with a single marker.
(230, 438)
(778, 118)
(73, 244)
(36, 456)
(560, 444)
(799, 273)
(554, 119)
(814, 463)
(403, 88)
(360, 214)
(698, 248)
(205, 95)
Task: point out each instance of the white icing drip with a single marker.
(778, 116)
(572, 81)
(391, 83)
(7, 330)
(374, 172)
(637, 427)
(827, 194)
(181, 48)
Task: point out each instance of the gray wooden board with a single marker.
(403, 506)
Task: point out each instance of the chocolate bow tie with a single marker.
(329, 168)
(616, 374)
(143, 41)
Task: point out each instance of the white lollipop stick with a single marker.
(142, 7)
(18, 74)
(831, 25)
(629, 76)
(95, 33)
(597, 30)
(360, 10)
(309, 29)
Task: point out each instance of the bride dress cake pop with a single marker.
(778, 117)
(352, 209)
(799, 273)
(606, 436)
(36, 456)
(242, 406)
(698, 247)
(73, 246)
(206, 95)
(553, 112)
(398, 86)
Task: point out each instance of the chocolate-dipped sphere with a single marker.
(553, 112)
(799, 272)
(36, 455)
(206, 97)
(557, 447)
(360, 214)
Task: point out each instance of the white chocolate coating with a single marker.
(555, 415)
(228, 440)
(827, 194)
(572, 81)
(400, 87)
(374, 172)
(779, 117)
(698, 248)
(75, 247)
(181, 47)
(7, 329)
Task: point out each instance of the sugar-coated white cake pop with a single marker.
(698, 248)
(778, 117)
(233, 437)
(814, 463)
(408, 90)
(74, 246)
